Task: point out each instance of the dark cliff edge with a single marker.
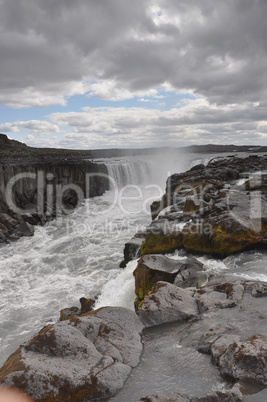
(34, 193)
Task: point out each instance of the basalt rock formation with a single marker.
(218, 209)
(34, 193)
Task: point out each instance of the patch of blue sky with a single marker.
(164, 100)
(9, 115)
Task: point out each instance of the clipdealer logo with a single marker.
(246, 205)
(50, 194)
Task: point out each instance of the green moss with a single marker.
(226, 242)
(146, 278)
(160, 243)
(138, 304)
(197, 242)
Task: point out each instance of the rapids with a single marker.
(79, 254)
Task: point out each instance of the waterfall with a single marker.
(130, 170)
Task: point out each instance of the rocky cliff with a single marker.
(217, 209)
(32, 193)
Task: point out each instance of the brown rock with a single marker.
(246, 360)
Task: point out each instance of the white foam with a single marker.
(252, 277)
(119, 291)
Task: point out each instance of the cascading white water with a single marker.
(147, 169)
(79, 255)
(130, 170)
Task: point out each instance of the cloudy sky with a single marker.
(121, 73)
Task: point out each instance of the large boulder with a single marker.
(243, 360)
(191, 274)
(208, 338)
(152, 268)
(228, 395)
(167, 303)
(84, 358)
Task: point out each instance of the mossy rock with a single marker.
(197, 242)
(222, 241)
(161, 243)
(145, 278)
(225, 242)
(150, 270)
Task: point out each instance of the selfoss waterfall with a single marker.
(78, 255)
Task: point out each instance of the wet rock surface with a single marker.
(198, 333)
(88, 357)
(168, 397)
(167, 303)
(69, 312)
(230, 325)
(233, 395)
(153, 268)
(243, 360)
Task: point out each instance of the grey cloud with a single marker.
(215, 48)
(197, 122)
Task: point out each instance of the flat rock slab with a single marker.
(162, 263)
(220, 295)
(167, 303)
(79, 359)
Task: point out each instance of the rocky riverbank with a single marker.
(218, 209)
(90, 357)
(215, 210)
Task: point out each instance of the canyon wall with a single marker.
(33, 193)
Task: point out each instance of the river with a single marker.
(78, 255)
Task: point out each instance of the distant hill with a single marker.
(211, 148)
(13, 151)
